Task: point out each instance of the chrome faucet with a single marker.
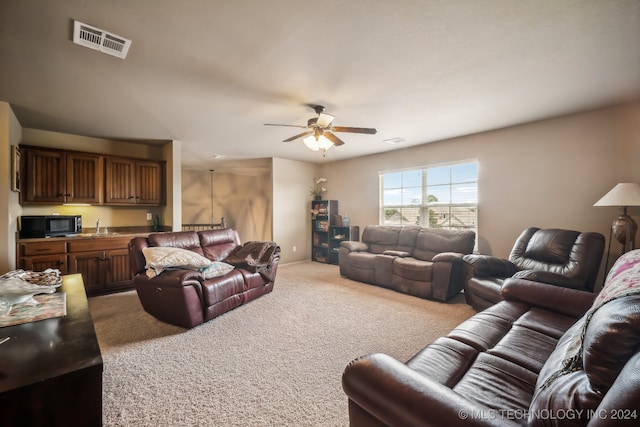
(98, 226)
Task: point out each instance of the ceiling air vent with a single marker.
(97, 39)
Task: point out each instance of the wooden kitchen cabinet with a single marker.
(91, 266)
(42, 262)
(39, 257)
(84, 178)
(103, 262)
(134, 182)
(56, 176)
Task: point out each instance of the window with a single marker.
(440, 196)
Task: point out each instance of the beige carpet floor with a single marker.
(276, 361)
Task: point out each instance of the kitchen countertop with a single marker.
(115, 234)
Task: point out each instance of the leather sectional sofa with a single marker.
(186, 297)
(543, 356)
(419, 261)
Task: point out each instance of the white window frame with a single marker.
(429, 208)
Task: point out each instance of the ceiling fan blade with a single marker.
(324, 120)
(331, 137)
(300, 135)
(370, 131)
(291, 126)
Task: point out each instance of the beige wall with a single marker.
(244, 200)
(265, 205)
(292, 207)
(10, 134)
(172, 153)
(545, 174)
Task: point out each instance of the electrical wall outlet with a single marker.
(149, 216)
(295, 249)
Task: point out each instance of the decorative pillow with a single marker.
(160, 258)
(216, 269)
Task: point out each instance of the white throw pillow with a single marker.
(160, 258)
(216, 269)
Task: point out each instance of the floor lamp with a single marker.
(623, 228)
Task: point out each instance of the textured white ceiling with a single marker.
(211, 73)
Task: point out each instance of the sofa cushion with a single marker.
(592, 353)
(396, 253)
(612, 337)
(222, 288)
(362, 260)
(551, 246)
(178, 239)
(413, 269)
(216, 269)
(445, 360)
(432, 241)
(384, 237)
(498, 384)
(160, 258)
(217, 245)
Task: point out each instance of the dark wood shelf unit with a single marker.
(322, 219)
(339, 234)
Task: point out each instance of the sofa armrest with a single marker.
(571, 302)
(171, 279)
(549, 277)
(448, 275)
(490, 266)
(353, 246)
(399, 396)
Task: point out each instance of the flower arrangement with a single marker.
(317, 189)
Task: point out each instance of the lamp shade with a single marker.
(623, 194)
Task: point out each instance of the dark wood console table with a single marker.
(51, 370)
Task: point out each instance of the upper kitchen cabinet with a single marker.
(51, 176)
(134, 182)
(57, 177)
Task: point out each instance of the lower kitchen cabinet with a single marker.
(102, 261)
(42, 255)
(42, 262)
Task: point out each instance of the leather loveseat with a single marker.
(543, 356)
(419, 261)
(188, 297)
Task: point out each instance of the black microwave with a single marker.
(31, 226)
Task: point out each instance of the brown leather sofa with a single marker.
(183, 297)
(544, 356)
(419, 261)
(564, 258)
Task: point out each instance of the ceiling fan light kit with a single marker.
(320, 134)
(319, 143)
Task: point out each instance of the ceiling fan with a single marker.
(319, 135)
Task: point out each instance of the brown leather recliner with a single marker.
(565, 258)
(544, 356)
